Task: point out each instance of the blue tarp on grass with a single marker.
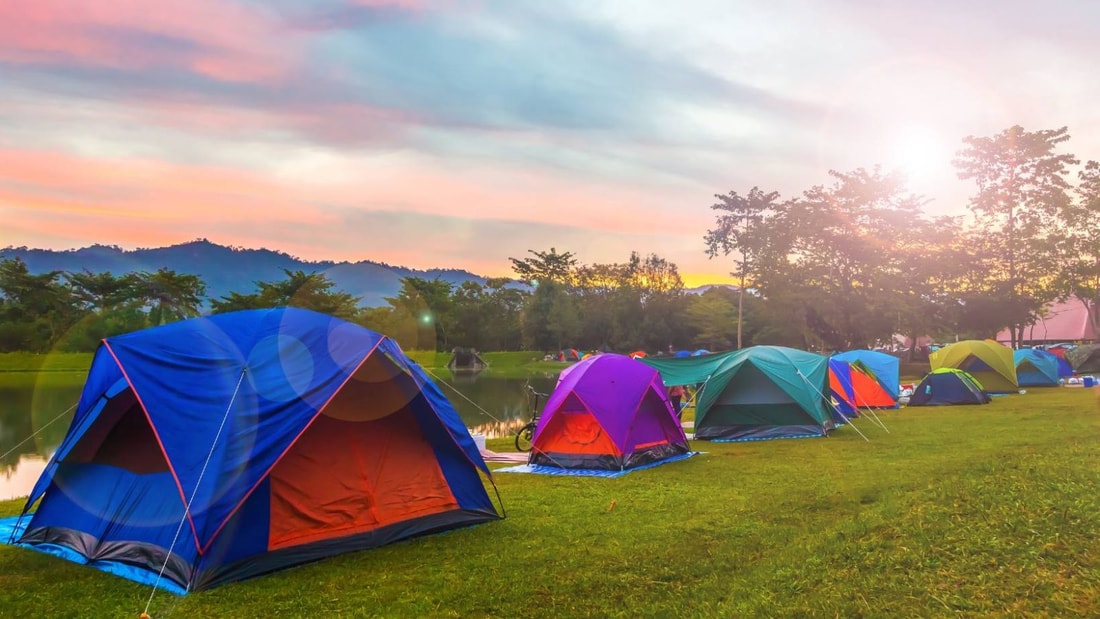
(11, 528)
(540, 469)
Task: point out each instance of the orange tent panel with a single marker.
(868, 391)
(345, 477)
(575, 433)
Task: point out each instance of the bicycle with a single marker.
(525, 434)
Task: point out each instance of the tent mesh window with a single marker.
(121, 437)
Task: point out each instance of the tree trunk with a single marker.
(740, 305)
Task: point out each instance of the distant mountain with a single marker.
(706, 287)
(229, 269)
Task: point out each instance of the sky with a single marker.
(462, 133)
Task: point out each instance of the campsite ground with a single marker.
(978, 511)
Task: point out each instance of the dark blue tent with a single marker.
(1036, 368)
(946, 387)
(1065, 370)
(217, 449)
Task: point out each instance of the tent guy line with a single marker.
(195, 490)
(39, 430)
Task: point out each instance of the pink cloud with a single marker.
(61, 183)
(231, 42)
(330, 210)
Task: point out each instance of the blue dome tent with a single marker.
(216, 449)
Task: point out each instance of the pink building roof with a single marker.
(1064, 322)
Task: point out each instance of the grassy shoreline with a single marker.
(505, 364)
(973, 510)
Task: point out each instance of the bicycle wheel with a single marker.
(523, 437)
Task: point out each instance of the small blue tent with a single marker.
(947, 387)
(216, 449)
(1036, 368)
(1065, 370)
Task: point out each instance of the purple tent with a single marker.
(608, 412)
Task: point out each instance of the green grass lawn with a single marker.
(957, 511)
(52, 362)
(504, 364)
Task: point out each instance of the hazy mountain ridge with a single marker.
(230, 269)
(235, 269)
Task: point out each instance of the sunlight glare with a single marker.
(920, 153)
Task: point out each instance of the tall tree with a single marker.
(550, 320)
(828, 259)
(740, 230)
(660, 292)
(1022, 195)
(1079, 264)
(927, 276)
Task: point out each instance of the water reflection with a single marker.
(494, 406)
(35, 411)
(18, 480)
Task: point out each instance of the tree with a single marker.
(660, 292)
(109, 305)
(545, 266)
(35, 310)
(741, 230)
(427, 304)
(596, 287)
(504, 310)
(1022, 196)
(827, 261)
(487, 316)
(714, 316)
(629, 305)
(930, 277)
(551, 319)
(171, 296)
(312, 291)
(1078, 275)
(101, 292)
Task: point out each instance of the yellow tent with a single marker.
(985, 360)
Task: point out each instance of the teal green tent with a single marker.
(754, 393)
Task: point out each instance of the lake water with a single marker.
(35, 411)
